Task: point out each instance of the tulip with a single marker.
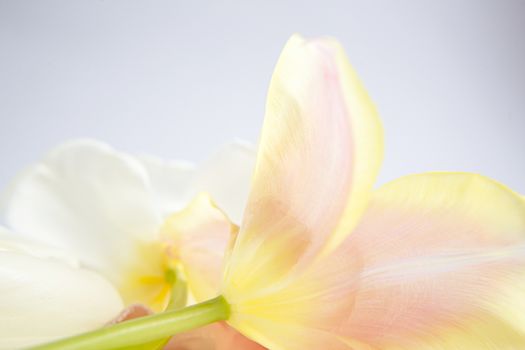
(89, 235)
(428, 261)
(322, 260)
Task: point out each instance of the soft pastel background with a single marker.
(180, 78)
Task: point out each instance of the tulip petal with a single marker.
(443, 258)
(301, 312)
(320, 151)
(16, 243)
(171, 181)
(217, 336)
(87, 199)
(437, 262)
(226, 176)
(131, 312)
(46, 298)
(200, 235)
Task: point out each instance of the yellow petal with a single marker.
(200, 235)
(151, 276)
(320, 151)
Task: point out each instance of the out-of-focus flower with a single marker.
(92, 232)
(323, 261)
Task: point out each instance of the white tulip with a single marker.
(84, 226)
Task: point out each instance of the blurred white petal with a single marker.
(171, 182)
(47, 298)
(16, 243)
(226, 176)
(86, 199)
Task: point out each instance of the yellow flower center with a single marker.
(157, 277)
(153, 276)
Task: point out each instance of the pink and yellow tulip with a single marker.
(322, 260)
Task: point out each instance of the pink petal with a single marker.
(443, 259)
(320, 151)
(437, 263)
(131, 312)
(216, 336)
(200, 235)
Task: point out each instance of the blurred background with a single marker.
(180, 78)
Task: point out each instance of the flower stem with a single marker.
(146, 329)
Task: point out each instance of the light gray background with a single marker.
(179, 78)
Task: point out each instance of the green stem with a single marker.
(146, 329)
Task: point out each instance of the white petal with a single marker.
(226, 176)
(43, 299)
(16, 243)
(87, 199)
(171, 182)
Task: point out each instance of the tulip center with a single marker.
(155, 279)
(157, 276)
